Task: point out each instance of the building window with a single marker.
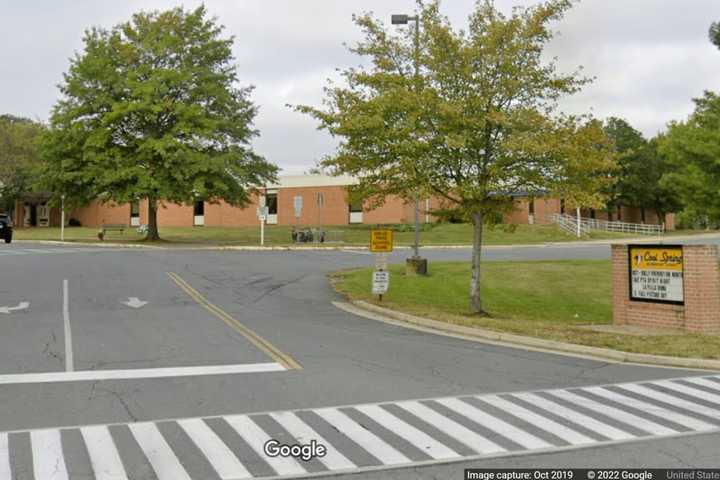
(135, 209)
(271, 202)
(199, 208)
(531, 207)
(562, 206)
(592, 213)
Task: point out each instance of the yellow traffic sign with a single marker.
(381, 240)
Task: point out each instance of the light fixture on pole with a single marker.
(415, 264)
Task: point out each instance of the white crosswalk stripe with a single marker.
(424, 426)
(4, 457)
(590, 423)
(104, 457)
(652, 409)
(257, 438)
(693, 392)
(413, 435)
(518, 436)
(223, 460)
(158, 452)
(614, 413)
(303, 433)
(557, 429)
(48, 459)
(449, 427)
(366, 439)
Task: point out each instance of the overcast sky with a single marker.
(650, 57)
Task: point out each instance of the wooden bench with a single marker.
(113, 227)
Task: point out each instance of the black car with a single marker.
(5, 228)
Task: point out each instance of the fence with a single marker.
(569, 224)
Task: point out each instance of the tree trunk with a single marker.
(475, 298)
(152, 233)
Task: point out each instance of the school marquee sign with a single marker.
(656, 273)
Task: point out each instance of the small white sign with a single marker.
(381, 261)
(380, 283)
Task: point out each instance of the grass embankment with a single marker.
(279, 235)
(555, 300)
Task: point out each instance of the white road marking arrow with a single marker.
(20, 306)
(135, 302)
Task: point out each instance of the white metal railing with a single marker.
(569, 224)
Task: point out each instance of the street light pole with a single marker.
(418, 264)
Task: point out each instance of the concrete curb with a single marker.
(90, 244)
(507, 339)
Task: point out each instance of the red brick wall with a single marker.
(98, 213)
(701, 286)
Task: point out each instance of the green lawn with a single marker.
(547, 299)
(435, 234)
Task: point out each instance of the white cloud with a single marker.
(649, 57)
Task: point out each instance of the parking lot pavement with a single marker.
(370, 437)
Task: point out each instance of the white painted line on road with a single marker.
(373, 444)
(257, 438)
(303, 433)
(615, 413)
(671, 400)
(5, 471)
(588, 422)
(69, 367)
(48, 459)
(693, 392)
(158, 452)
(652, 409)
(705, 383)
(222, 459)
(138, 373)
(450, 427)
(104, 457)
(544, 423)
(424, 442)
(490, 422)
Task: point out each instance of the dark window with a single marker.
(642, 215)
(199, 208)
(562, 205)
(134, 209)
(592, 213)
(271, 202)
(531, 207)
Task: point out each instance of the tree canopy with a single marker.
(693, 149)
(152, 109)
(640, 170)
(476, 125)
(19, 158)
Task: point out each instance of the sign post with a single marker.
(262, 213)
(381, 244)
(656, 273)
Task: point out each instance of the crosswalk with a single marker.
(12, 251)
(412, 432)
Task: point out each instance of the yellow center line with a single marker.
(271, 350)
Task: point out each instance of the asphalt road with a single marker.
(228, 333)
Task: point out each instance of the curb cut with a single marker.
(375, 312)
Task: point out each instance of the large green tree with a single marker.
(476, 124)
(693, 149)
(152, 109)
(19, 157)
(640, 170)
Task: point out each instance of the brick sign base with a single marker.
(701, 284)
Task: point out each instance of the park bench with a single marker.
(113, 227)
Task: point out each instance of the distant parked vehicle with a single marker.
(6, 228)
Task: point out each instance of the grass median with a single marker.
(350, 235)
(555, 300)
